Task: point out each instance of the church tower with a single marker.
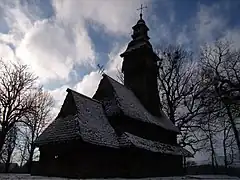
(140, 68)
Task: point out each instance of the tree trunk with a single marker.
(30, 160)
(212, 148)
(2, 139)
(225, 149)
(212, 153)
(8, 161)
(235, 131)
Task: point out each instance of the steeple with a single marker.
(139, 36)
(140, 67)
(140, 29)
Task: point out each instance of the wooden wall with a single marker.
(89, 161)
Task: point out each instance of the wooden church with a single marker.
(121, 131)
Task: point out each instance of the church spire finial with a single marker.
(141, 10)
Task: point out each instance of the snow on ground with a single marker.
(189, 177)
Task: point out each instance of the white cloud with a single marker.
(53, 46)
(89, 84)
(115, 61)
(18, 21)
(58, 95)
(49, 46)
(6, 52)
(52, 49)
(114, 16)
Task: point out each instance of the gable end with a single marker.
(68, 107)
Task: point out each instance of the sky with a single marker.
(62, 41)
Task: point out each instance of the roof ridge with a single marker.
(68, 90)
(150, 118)
(121, 85)
(114, 80)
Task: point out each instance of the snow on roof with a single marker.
(93, 124)
(132, 107)
(156, 146)
(90, 124)
(60, 129)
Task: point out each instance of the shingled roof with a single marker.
(89, 124)
(60, 129)
(132, 107)
(93, 124)
(155, 146)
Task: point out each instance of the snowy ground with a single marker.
(189, 177)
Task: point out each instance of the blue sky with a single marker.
(63, 40)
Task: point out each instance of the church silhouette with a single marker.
(121, 131)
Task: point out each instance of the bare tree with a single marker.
(10, 146)
(210, 129)
(16, 98)
(201, 97)
(223, 63)
(227, 143)
(180, 88)
(37, 120)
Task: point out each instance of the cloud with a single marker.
(58, 95)
(182, 37)
(113, 16)
(17, 21)
(53, 46)
(209, 22)
(233, 35)
(123, 16)
(89, 84)
(52, 49)
(114, 64)
(49, 46)
(6, 52)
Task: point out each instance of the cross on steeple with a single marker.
(141, 10)
(100, 69)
